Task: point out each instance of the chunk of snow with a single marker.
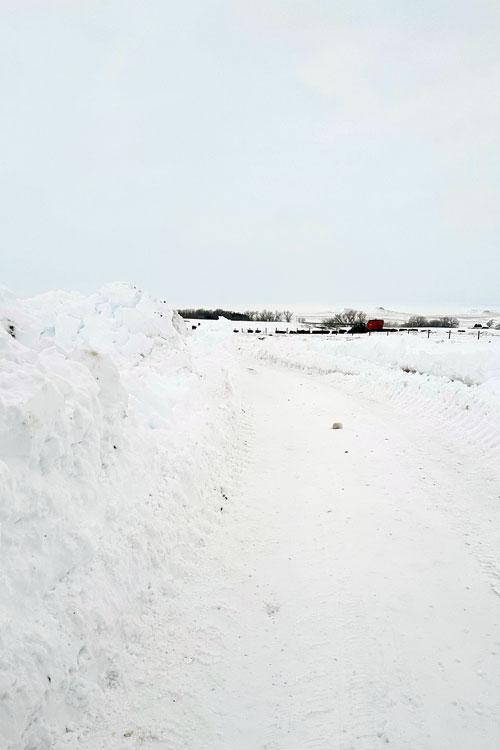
(112, 438)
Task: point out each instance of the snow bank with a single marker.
(459, 381)
(115, 431)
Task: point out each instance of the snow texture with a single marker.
(143, 601)
(115, 425)
(456, 380)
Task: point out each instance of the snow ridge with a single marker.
(115, 430)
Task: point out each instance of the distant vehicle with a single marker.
(375, 325)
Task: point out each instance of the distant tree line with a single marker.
(356, 321)
(265, 316)
(270, 316)
(418, 321)
(202, 314)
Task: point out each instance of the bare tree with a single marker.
(266, 316)
(448, 322)
(445, 322)
(278, 316)
(347, 318)
(288, 315)
(355, 317)
(417, 321)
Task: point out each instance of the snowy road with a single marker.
(349, 599)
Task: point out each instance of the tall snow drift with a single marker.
(112, 442)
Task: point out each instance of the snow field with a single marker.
(458, 382)
(115, 429)
(123, 616)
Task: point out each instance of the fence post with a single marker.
(428, 333)
(449, 334)
(478, 335)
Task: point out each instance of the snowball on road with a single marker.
(236, 574)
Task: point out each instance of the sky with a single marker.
(226, 152)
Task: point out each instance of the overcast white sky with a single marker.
(225, 151)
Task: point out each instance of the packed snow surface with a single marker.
(457, 379)
(193, 559)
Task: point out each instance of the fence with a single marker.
(442, 333)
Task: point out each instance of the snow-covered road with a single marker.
(349, 598)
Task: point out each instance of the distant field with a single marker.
(393, 317)
(269, 329)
